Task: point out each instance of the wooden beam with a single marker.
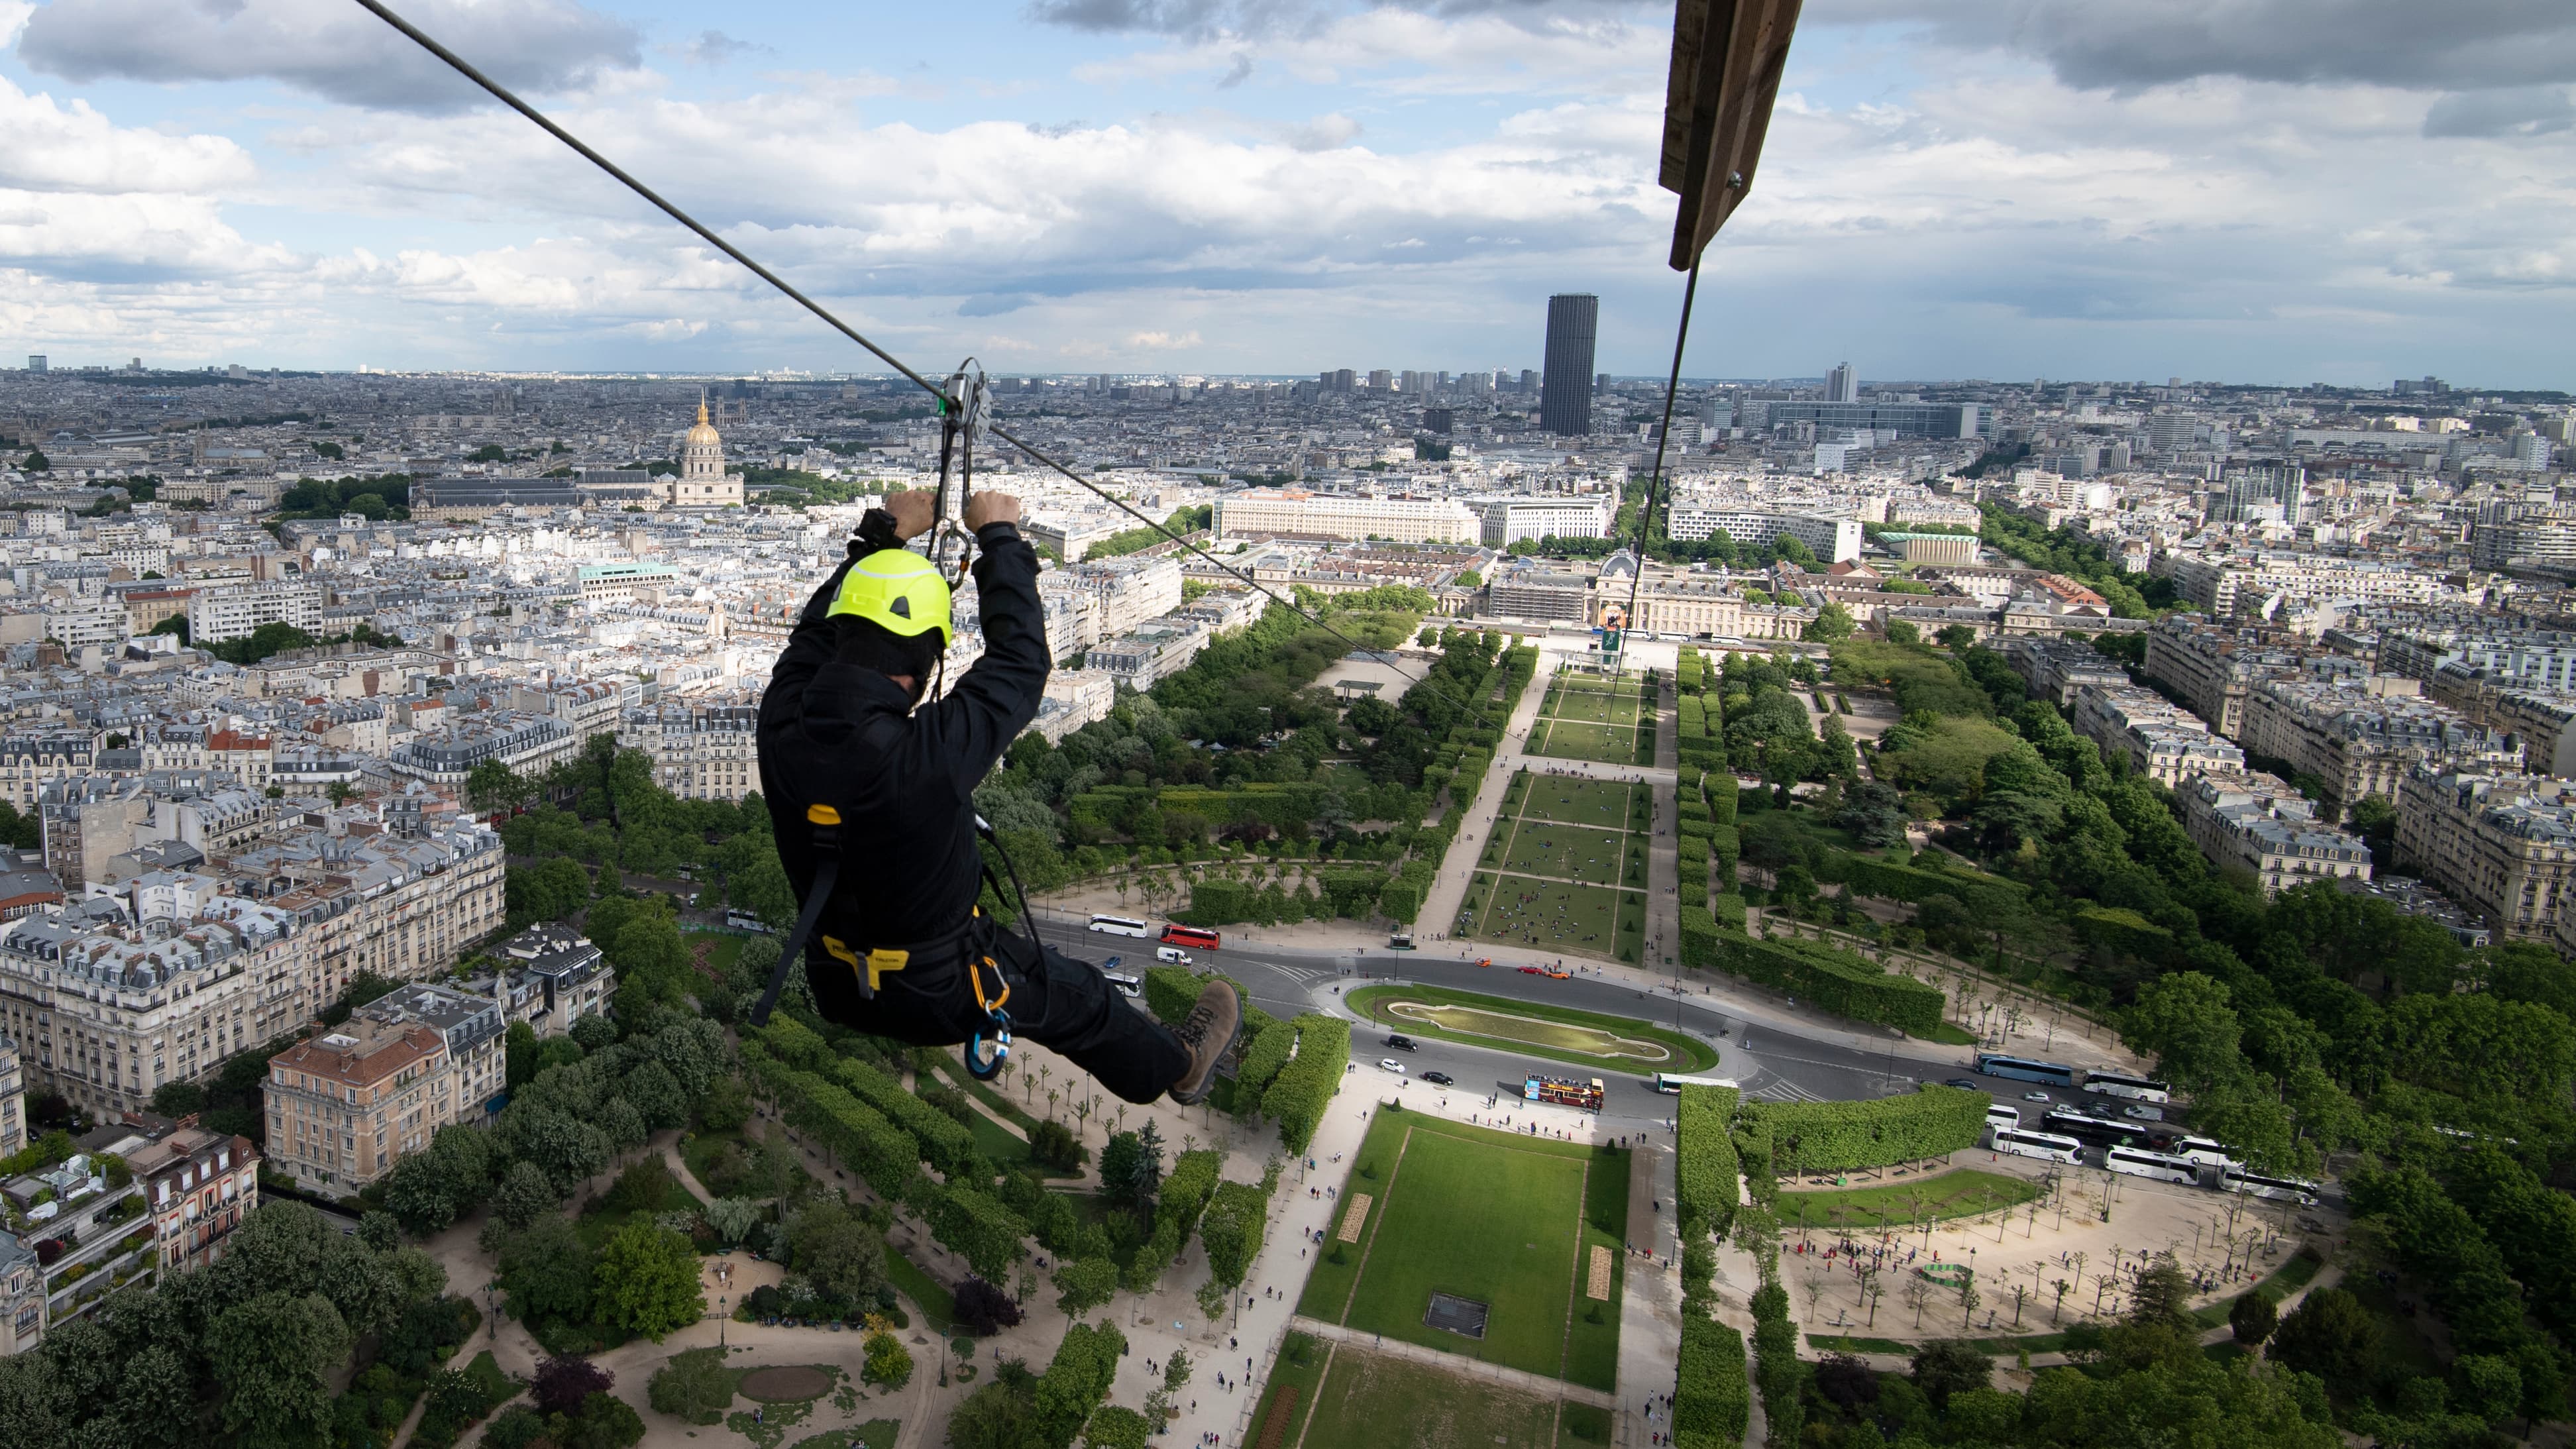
(1728, 56)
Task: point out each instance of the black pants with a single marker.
(1058, 1002)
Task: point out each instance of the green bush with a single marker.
(1698, 936)
(1712, 1402)
(1262, 1059)
(1725, 848)
(1838, 981)
(1704, 1156)
(1297, 1097)
(1730, 911)
(941, 1140)
(1839, 1136)
(1983, 895)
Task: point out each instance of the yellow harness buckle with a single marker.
(879, 960)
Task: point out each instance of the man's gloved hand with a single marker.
(990, 507)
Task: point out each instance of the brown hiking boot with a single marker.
(1208, 1034)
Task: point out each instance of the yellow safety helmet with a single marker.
(898, 591)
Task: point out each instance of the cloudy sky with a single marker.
(2260, 190)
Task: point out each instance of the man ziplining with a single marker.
(875, 796)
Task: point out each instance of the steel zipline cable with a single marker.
(1663, 439)
(505, 96)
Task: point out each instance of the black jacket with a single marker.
(841, 735)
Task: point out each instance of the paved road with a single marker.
(1772, 1062)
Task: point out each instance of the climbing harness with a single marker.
(827, 872)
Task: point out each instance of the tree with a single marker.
(2487, 1386)
(604, 1421)
(888, 1362)
(983, 1308)
(2330, 1335)
(270, 1356)
(1947, 1366)
(1000, 1415)
(1086, 1284)
(493, 787)
(1832, 622)
(841, 1254)
(2161, 1297)
(694, 1386)
(2251, 1318)
(732, 1219)
(1115, 1427)
(523, 1196)
(1900, 631)
(178, 1099)
(2185, 1022)
(548, 1273)
(562, 1384)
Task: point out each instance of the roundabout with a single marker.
(1581, 1037)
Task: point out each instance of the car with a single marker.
(1390, 1064)
(1174, 955)
(1967, 1082)
(1532, 971)
(1402, 1043)
(1440, 1079)
(2142, 1112)
(1485, 961)
(1109, 965)
(1560, 975)
(2036, 1096)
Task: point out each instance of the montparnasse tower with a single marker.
(703, 481)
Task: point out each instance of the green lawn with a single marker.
(1578, 740)
(1958, 1194)
(1595, 703)
(1295, 1375)
(1374, 1402)
(1503, 1220)
(1586, 920)
(1577, 802)
(1374, 1002)
(1561, 850)
(938, 1305)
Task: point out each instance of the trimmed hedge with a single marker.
(1297, 1098)
(1983, 895)
(1699, 936)
(1838, 981)
(944, 1142)
(1725, 848)
(1721, 797)
(985, 1232)
(1264, 1057)
(1704, 1156)
(1934, 1121)
(1729, 909)
(1712, 1400)
(884, 1154)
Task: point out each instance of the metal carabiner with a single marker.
(981, 1067)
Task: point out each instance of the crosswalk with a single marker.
(1774, 1088)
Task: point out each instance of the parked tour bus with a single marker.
(1672, 1083)
(2136, 1089)
(2045, 1145)
(1121, 926)
(2287, 1189)
(2163, 1167)
(1128, 986)
(2203, 1151)
(2023, 1069)
(1203, 939)
(746, 921)
(2003, 1118)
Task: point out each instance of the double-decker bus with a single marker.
(2136, 1089)
(2044, 1145)
(2163, 1167)
(1671, 1083)
(1564, 1092)
(2255, 1184)
(2023, 1069)
(1121, 926)
(1203, 939)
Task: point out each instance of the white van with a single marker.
(1173, 954)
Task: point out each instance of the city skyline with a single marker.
(1205, 192)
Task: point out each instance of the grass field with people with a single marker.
(1592, 719)
(1584, 920)
(1494, 1217)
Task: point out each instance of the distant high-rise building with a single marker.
(1565, 403)
(1437, 420)
(35, 362)
(1840, 385)
(1380, 379)
(1529, 381)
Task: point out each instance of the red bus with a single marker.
(1205, 940)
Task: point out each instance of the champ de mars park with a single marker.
(1676, 1053)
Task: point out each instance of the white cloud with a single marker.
(46, 146)
(329, 47)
